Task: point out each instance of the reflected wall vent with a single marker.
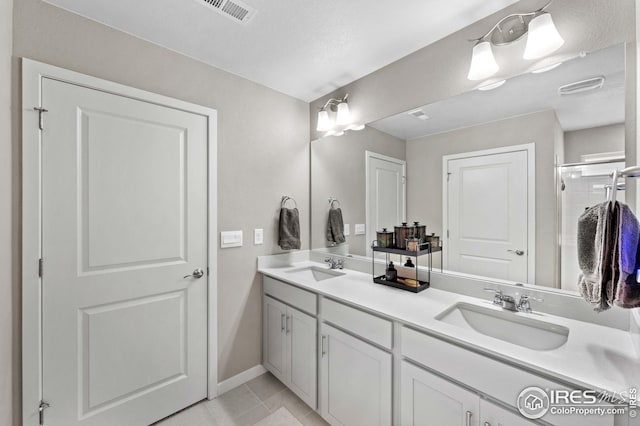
(235, 10)
(419, 114)
(581, 86)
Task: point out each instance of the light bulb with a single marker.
(344, 116)
(324, 123)
(483, 63)
(543, 37)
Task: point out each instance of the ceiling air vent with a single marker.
(581, 86)
(419, 114)
(235, 10)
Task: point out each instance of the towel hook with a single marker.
(286, 198)
(332, 201)
(629, 172)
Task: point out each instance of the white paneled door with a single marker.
(124, 227)
(488, 214)
(386, 183)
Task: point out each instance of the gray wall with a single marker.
(263, 149)
(9, 297)
(593, 141)
(424, 174)
(338, 171)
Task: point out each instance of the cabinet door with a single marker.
(493, 415)
(274, 344)
(429, 400)
(355, 384)
(302, 354)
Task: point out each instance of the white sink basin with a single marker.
(315, 273)
(508, 326)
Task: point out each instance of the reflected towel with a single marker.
(591, 233)
(289, 229)
(335, 227)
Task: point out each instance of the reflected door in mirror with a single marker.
(487, 215)
(385, 193)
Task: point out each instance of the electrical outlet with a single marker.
(360, 229)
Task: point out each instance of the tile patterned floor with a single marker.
(246, 405)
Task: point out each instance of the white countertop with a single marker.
(594, 356)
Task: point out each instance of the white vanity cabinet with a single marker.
(355, 366)
(427, 399)
(289, 345)
(355, 380)
(485, 375)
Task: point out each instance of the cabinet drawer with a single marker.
(294, 296)
(489, 376)
(363, 324)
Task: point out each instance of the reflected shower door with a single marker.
(582, 186)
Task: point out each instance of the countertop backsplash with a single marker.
(555, 303)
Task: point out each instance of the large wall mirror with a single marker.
(501, 175)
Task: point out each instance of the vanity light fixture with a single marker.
(343, 115)
(543, 38)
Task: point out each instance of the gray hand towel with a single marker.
(289, 229)
(591, 232)
(335, 227)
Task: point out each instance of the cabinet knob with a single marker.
(469, 414)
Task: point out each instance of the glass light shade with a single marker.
(483, 63)
(344, 116)
(324, 123)
(543, 37)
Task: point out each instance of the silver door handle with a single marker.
(518, 252)
(197, 273)
(287, 323)
(281, 322)
(324, 352)
(487, 424)
(469, 414)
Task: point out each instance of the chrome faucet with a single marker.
(523, 303)
(508, 302)
(334, 263)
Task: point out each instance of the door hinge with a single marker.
(43, 406)
(40, 116)
(40, 267)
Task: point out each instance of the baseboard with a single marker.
(241, 378)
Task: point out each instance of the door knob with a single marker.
(197, 273)
(518, 252)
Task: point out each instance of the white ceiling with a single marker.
(526, 94)
(305, 49)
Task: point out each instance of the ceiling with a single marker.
(526, 94)
(304, 49)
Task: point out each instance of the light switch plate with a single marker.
(258, 236)
(360, 229)
(347, 229)
(230, 239)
